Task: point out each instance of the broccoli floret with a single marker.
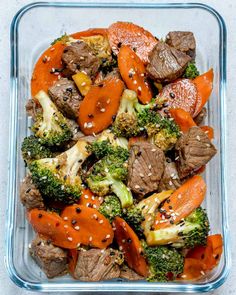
(191, 71)
(190, 232)
(133, 216)
(113, 139)
(107, 176)
(50, 125)
(58, 178)
(111, 207)
(165, 263)
(32, 149)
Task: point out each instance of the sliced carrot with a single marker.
(90, 32)
(52, 226)
(133, 140)
(100, 105)
(73, 258)
(182, 202)
(129, 243)
(125, 33)
(193, 269)
(204, 84)
(181, 94)
(93, 228)
(209, 131)
(88, 198)
(182, 118)
(133, 72)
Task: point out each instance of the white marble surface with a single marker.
(8, 9)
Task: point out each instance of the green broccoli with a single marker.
(191, 71)
(190, 232)
(107, 176)
(165, 263)
(113, 139)
(133, 216)
(111, 207)
(50, 125)
(32, 149)
(58, 177)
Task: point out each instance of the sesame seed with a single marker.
(70, 239)
(89, 124)
(137, 186)
(141, 175)
(81, 58)
(76, 227)
(179, 196)
(150, 166)
(170, 182)
(30, 246)
(90, 239)
(94, 206)
(95, 216)
(183, 276)
(108, 101)
(142, 75)
(101, 221)
(208, 145)
(202, 272)
(52, 49)
(177, 158)
(106, 170)
(83, 83)
(120, 248)
(135, 82)
(86, 196)
(150, 174)
(65, 226)
(157, 221)
(85, 125)
(139, 88)
(198, 138)
(102, 110)
(153, 150)
(78, 245)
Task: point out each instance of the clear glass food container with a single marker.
(33, 29)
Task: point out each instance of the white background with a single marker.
(8, 8)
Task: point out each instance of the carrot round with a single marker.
(130, 245)
(204, 84)
(193, 269)
(100, 105)
(182, 202)
(93, 228)
(125, 33)
(182, 118)
(89, 199)
(52, 226)
(181, 94)
(133, 72)
(209, 131)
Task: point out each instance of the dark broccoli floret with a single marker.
(50, 125)
(32, 149)
(164, 263)
(111, 207)
(58, 178)
(133, 216)
(107, 176)
(191, 71)
(190, 232)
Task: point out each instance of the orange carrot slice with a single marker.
(182, 119)
(130, 245)
(124, 33)
(204, 84)
(93, 228)
(182, 202)
(209, 131)
(193, 269)
(100, 105)
(133, 72)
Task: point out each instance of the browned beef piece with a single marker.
(66, 97)
(145, 168)
(201, 116)
(79, 57)
(166, 63)
(183, 41)
(52, 259)
(193, 150)
(29, 195)
(170, 178)
(96, 265)
(32, 109)
(129, 274)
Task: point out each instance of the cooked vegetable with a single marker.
(134, 217)
(191, 71)
(88, 199)
(92, 227)
(107, 176)
(204, 84)
(58, 178)
(183, 119)
(50, 125)
(83, 82)
(111, 207)
(209, 131)
(164, 263)
(193, 269)
(113, 140)
(124, 33)
(190, 232)
(181, 203)
(129, 243)
(73, 258)
(32, 149)
(100, 105)
(133, 73)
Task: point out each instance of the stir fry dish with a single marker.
(115, 156)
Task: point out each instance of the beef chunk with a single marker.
(145, 167)
(32, 109)
(129, 274)
(193, 150)
(79, 57)
(170, 178)
(183, 41)
(52, 259)
(96, 265)
(166, 63)
(66, 96)
(30, 195)
(201, 116)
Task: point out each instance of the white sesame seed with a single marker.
(70, 239)
(149, 174)
(157, 221)
(113, 48)
(120, 248)
(52, 49)
(83, 83)
(95, 216)
(86, 196)
(149, 218)
(78, 245)
(202, 272)
(142, 75)
(170, 182)
(177, 158)
(89, 124)
(139, 88)
(108, 101)
(76, 227)
(48, 58)
(101, 221)
(198, 138)
(179, 196)
(108, 236)
(94, 206)
(65, 226)
(102, 110)
(163, 217)
(141, 175)
(208, 145)
(103, 250)
(30, 246)
(150, 166)
(153, 150)
(90, 239)
(137, 186)
(183, 276)
(135, 82)
(123, 240)
(81, 58)
(106, 170)
(59, 77)
(85, 125)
